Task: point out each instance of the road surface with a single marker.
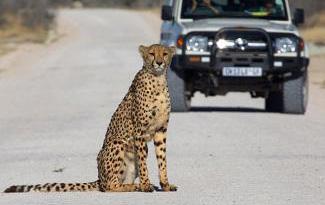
(56, 102)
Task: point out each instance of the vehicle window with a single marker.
(265, 9)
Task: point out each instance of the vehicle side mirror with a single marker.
(299, 17)
(167, 13)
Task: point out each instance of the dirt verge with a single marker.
(317, 71)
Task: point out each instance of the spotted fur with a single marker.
(142, 116)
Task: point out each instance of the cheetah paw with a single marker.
(168, 187)
(146, 188)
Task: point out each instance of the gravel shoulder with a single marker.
(56, 101)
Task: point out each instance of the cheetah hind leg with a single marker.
(119, 187)
(129, 169)
(124, 171)
(130, 172)
(123, 180)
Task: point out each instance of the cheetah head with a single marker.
(157, 58)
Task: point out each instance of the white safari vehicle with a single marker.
(236, 46)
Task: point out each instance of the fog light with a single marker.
(205, 59)
(278, 64)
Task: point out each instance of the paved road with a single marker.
(55, 104)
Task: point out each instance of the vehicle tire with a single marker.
(293, 98)
(177, 91)
(295, 95)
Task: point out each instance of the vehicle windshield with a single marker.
(261, 9)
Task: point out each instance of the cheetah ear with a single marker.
(142, 50)
(172, 50)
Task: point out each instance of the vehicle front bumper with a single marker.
(277, 65)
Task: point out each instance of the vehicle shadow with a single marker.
(227, 109)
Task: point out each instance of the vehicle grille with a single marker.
(243, 40)
(242, 47)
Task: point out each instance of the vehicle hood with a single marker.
(216, 24)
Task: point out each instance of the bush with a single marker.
(122, 3)
(30, 13)
(24, 21)
(311, 7)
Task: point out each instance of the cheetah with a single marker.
(142, 116)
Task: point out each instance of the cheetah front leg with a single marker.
(142, 153)
(160, 147)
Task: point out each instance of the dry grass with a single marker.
(13, 33)
(315, 29)
(315, 35)
(15, 29)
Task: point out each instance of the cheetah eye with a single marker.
(165, 54)
(152, 54)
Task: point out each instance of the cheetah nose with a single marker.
(159, 63)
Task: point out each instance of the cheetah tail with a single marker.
(55, 187)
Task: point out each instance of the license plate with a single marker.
(242, 71)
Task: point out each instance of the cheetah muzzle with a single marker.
(142, 116)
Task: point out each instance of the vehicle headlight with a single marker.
(286, 45)
(197, 43)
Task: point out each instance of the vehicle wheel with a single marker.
(293, 98)
(295, 95)
(180, 102)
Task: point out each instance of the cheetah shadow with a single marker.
(227, 109)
